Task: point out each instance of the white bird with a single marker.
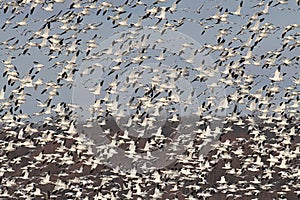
(46, 179)
(238, 10)
(2, 94)
(49, 7)
(72, 130)
(277, 76)
(157, 194)
(222, 180)
(37, 192)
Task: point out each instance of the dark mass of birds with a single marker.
(239, 88)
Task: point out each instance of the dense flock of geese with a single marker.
(253, 131)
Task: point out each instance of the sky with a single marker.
(280, 16)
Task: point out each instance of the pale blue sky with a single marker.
(279, 18)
